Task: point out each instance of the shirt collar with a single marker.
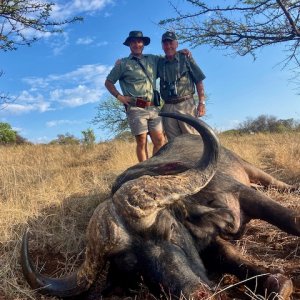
(176, 58)
(134, 57)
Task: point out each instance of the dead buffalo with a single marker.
(169, 220)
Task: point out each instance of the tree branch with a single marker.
(295, 29)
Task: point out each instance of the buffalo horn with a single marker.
(210, 140)
(60, 287)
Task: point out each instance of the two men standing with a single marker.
(137, 76)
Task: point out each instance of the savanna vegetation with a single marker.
(54, 189)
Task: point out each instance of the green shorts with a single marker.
(143, 120)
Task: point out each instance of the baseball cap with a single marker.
(169, 35)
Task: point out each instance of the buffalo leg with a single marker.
(258, 176)
(256, 205)
(222, 257)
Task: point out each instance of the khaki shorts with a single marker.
(143, 120)
(174, 127)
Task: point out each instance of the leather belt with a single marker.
(141, 102)
(176, 100)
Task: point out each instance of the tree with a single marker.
(264, 123)
(22, 21)
(65, 139)
(7, 134)
(111, 116)
(88, 137)
(21, 140)
(243, 26)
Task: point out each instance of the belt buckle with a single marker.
(140, 103)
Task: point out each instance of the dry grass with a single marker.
(278, 154)
(54, 190)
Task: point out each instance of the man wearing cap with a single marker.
(179, 77)
(137, 77)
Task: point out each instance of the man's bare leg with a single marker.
(141, 147)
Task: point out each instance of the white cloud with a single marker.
(79, 87)
(66, 10)
(89, 41)
(104, 43)
(36, 82)
(84, 41)
(76, 96)
(88, 5)
(57, 123)
(27, 102)
(59, 42)
(18, 109)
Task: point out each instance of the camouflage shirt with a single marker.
(133, 80)
(178, 76)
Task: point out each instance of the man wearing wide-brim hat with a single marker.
(134, 35)
(137, 75)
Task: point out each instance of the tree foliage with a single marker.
(264, 123)
(7, 134)
(89, 137)
(242, 26)
(23, 21)
(20, 140)
(111, 116)
(65, 139)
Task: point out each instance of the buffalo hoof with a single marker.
(278, 287)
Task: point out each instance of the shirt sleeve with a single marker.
(195, 70)
(115, 73)
(156, 58)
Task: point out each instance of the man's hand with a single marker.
(186, 52)
(118, 61)
(201, 110)
(124, 99)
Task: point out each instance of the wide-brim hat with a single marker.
(137, 35)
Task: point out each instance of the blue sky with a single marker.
(59, 81)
